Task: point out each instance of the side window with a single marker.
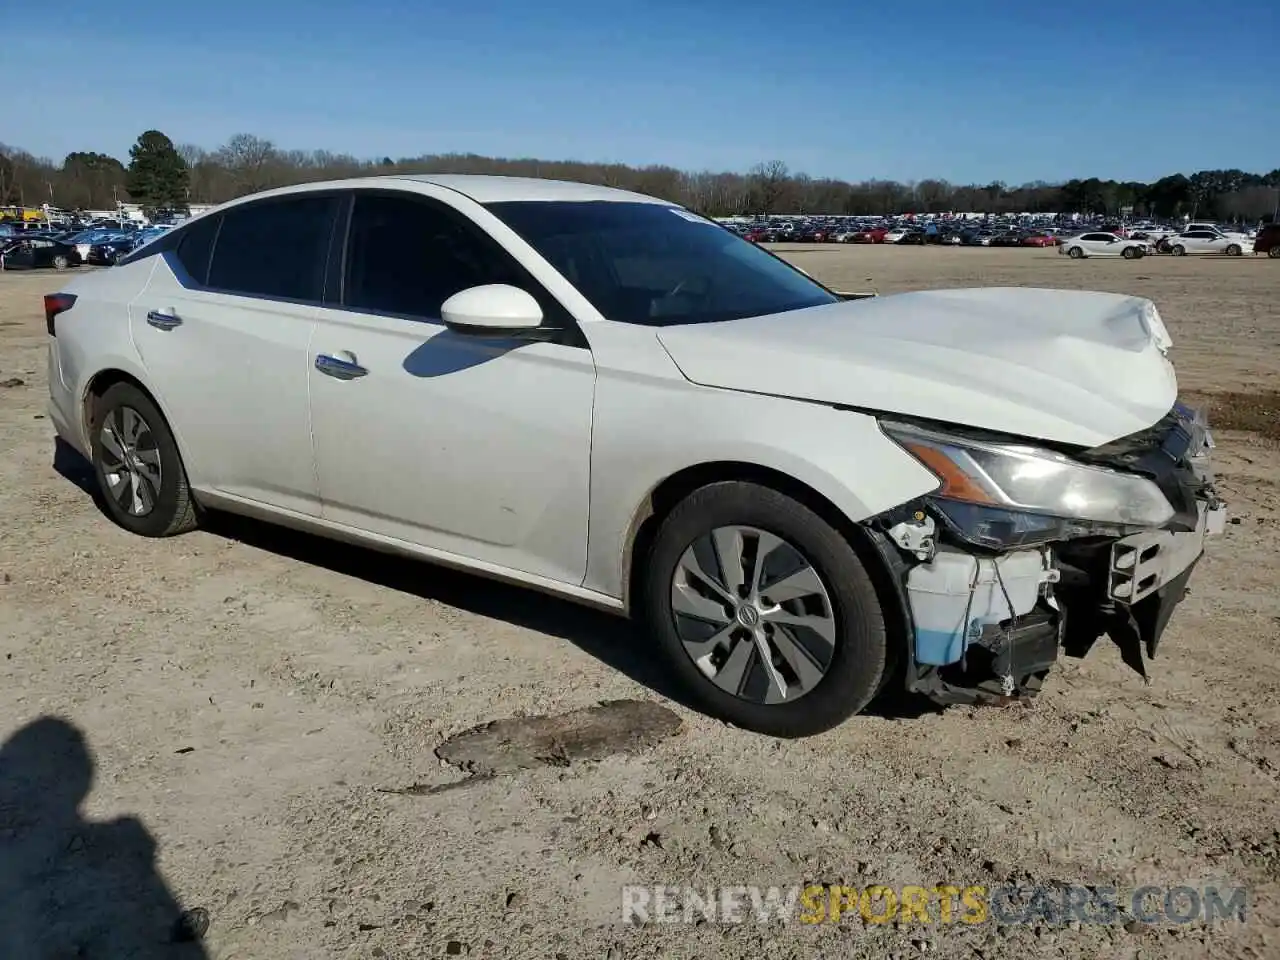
(196, 246)
(276, 248)
(1097, 237)
(407, 256)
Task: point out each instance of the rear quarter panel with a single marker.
(94, 336)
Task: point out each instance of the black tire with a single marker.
(1075, 253)
(858, 660)
(60, 262)
(1273, 251)
(173, 509)
(1178, 250)
(1129, 253)
(1234, 250)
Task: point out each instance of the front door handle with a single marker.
(163, 319)
(339, 367)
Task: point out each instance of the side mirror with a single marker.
(494, 310)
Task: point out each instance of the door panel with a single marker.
(476, 447)
(232, 377)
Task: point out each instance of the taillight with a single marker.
(54, 304)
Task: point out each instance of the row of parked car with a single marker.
(104, 244)
(1075, 240)
(99, 245)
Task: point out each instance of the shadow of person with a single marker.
(70, 887)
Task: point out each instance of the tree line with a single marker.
(163, 176)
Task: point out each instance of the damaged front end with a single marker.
(1025, 550)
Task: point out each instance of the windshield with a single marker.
(650, 264)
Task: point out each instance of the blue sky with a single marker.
(960, 89)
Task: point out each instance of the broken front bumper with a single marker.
(984, 624)
(1148, 572)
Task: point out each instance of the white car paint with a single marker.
(1214, 228)
(1097, 243)
(1209, 241)
(535, 462)
(896, 234)
(983, 356)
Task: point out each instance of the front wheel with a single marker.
(1234, 250)
(1179, 250)
(1273, 253)
(764, 611)
(60, 262)
(1129, 253)
(1075, 253)
(139, 470)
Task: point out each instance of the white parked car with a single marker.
(1214, 228)
(1100, 244)
(1207, 241)
(896, 234)
(599, 395)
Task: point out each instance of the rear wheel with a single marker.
(764, 611)
(1075, 253)
(60, 262)
(1274, 252)
(139, 470)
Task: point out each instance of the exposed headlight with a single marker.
(1031, 480)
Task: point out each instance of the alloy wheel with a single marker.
(130, 461)
(753, 614)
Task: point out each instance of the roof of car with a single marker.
(482, 189)
(486, 189)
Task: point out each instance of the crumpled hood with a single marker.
(1069, 366)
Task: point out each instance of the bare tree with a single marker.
(769, 183)
(248, 159)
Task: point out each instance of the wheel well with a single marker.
(675, 488)
(99, 385)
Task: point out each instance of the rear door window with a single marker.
(275, 248)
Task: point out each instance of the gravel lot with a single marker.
(262, 710)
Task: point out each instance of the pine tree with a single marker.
(158, 176)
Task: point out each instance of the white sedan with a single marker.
(1102, 245)
(803, 497)
(1206, 241)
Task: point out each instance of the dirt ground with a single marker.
(262, 712)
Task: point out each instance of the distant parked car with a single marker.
(108, 252)
(1039, 240)
(873, 235)
(1206, 241)
(895, 235)
(30, 253)
(1102, 245)
(1268, 241)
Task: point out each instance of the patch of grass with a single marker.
(1257, 412)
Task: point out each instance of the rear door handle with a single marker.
(339, 367)
(163, 319)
